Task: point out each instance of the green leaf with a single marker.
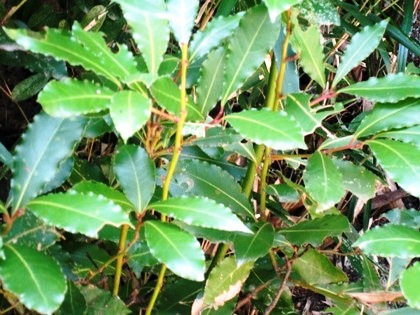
(30, 231)
(69, 97)
(29, 87)
(74, 302)
(315, 268)
(197, 178)
(120, 64)
(168, 95)
(391, 88)
(135, 172)
(400, 161)
(247, 48)
(214, 236)
(181, 15)
(129, 111)
(178, 296)
(252, 247)
(218, 137)
(147, 20)
(78, 213)
(102, 302)
(5, 157)
(211, 37)
(275, 7)
(179, 250)
(33, 277)
(283, 192)
(314, 231)
(370, 278)
(94, 18)
(409, 284)
(389, 116)
(357, 179)
(409, 217)
(323, 181)
(309, 49)
(109, 193)
(139, 256)
(321, 12)
(46, 144)
(298, 106)
(274, 129)
(391, 241)
(225, 282)
(202, 212)
(408, 135)
(210, 84)
(361, 46)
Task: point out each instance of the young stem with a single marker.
(263, 183)
(174, 161)
(120, 259)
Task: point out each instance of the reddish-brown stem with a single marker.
(324, 96)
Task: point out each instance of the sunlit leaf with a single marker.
(320, 12)
(400, 161)
(408, 135)
(391, 88)
(76, 212)
(5, 157)
(247, 48)
(129, 111)
(276, 130)
(323, 181)
(70, 97)
(315, 268)
(391, 241)
(409, 285)
(202, 212)
(275, 7)
(316, 230)
(181, 15)
(136, 174)
(35, 278)
(179, 250)
(46, 144)
(147, 20)
(360, 47)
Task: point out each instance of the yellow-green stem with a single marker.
(120, 259)
(174, 160)
(263, 184)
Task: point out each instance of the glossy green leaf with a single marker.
(46, 144)
(100, 301)
(252, 247)
(408, 135)
(102, 189)
(400, 161)
(338, 142)
(5, 157)
(247, 48)
(225, 282)
(29, 87)
(74, 303)
(129, 111)
(139, 256)
(179, 250)
(314, 231)
(215, 32)
(202, 212)
(308, 46)
(274, 129)
(32, 232)
(33, 277)
(315, 268)
(357, 179)
(275, 7)
(320, 12)
(218, 137)
(370, 277)
(78, 213)
(136, 174)
(387, 116)
(391, 88)
(360, 47)
(391, 241)
(120, 64)
(298, 106)
(210, 84)
(181, 15)
(168, 95)
(283, 192)
(409, 284)
(71, 97)
(323, 181)
(214, 236)
(146, 21)
(196, 178)
(408, 217)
